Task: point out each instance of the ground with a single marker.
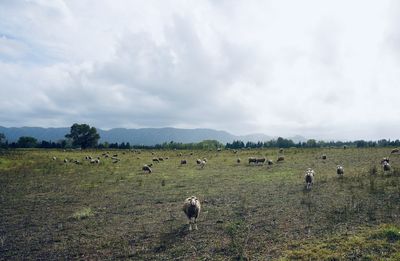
(52, 210)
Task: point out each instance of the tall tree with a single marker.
(83, 135)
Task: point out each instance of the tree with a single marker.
(2, 137)
(27, 142)
(83, 135)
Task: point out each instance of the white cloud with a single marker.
(320, 69)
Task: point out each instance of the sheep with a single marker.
(205, 159)
(203, 163)
(323, 156)
(198, 161)
(386, 166)
(192, 208)
(77, 162)
(146, 168)
(281, 150)
(65, 161)
(280, 158)
(252, 160)
(260, 160)
(156, 160)
(384, 160)
(183, 162)
(219, 149)
(309, 178)
(269, 162)
(161, 159)
(238, 160)
(97, 161)
(394, 151)
(340, 170)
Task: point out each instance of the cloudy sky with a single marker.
(321, 69)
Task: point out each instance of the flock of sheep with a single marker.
(191, 206)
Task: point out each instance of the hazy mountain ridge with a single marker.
(144, 136)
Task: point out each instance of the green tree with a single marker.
(27, 142)
(2, 138)
(83, 135)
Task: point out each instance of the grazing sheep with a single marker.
(394, 151)
(219, 149)
(309, 177)
(205, 159)
(150, 165)
(146, 168)
(260, 160)
(97, 161)
(77, 162)
(238, 160)
(340, 170)
(115, 155)
(280, 158)
(386, 166)
(54, 158)
(269, 162)
(156, 160)
(161, 159)
(192, 208)
(281, 150)
(252, 160)
(323, 156)
(203, 163)
(183, 162)
(198, 161)
(65, 161)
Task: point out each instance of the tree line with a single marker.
(83, 136)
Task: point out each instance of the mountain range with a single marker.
(143, 136)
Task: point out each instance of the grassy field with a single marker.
(52, 210)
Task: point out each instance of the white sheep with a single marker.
(54, 158)
(146, 168)
(192, 208)
(340, 170)
(386, 166)
(202, 163)
(309, 177)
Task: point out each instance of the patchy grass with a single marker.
(83, 213)
(249, 212)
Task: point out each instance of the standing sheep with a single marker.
(183, 162)
(146, 168)
(394, 151)
(280, 158)
(340, 170)
(309, 177)
(386, 166)
(238, 160)
(192, 207)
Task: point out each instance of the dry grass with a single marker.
(52, 210)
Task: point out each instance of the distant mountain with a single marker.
(145, 136)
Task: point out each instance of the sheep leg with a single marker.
(195, 224)
(190, 224)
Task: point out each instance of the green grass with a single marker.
(52, 210)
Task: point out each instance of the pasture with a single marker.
(55, 210)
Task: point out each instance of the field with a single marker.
(52, 210)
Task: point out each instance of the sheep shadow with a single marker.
(174, 236)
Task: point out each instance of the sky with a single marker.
(321, 69)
